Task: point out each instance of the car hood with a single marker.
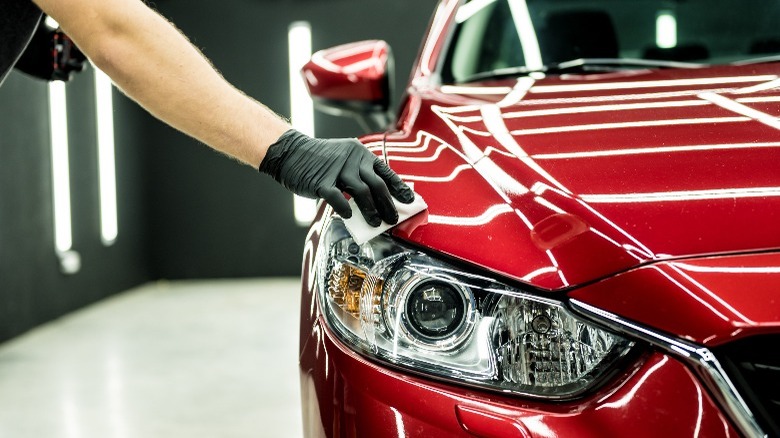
(565, 180)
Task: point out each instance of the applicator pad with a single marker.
(362, 232)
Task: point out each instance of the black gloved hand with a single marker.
(318, 168)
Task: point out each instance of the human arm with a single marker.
(154, 64)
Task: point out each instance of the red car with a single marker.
(601, 251)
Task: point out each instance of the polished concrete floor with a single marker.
(179, 359)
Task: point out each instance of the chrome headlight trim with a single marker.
(699, 358)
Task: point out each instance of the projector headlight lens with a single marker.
(436, 310)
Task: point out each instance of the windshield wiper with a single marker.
(761, 60)
(502, 73)
(624, 62)
(580, 65)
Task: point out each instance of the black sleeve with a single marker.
(18, 21)
(37, 59)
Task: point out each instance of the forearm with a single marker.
(154, 64)
(157, 67)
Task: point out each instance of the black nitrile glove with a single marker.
(318, 168)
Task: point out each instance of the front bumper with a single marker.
(346, 395)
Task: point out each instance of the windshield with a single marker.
(529, 35)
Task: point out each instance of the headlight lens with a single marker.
(404, 307)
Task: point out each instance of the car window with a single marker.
(499, 34)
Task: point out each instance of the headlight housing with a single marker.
(404, 307)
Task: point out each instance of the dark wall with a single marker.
(184, 210)
(211, 217)
(32, 288)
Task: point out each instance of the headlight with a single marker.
(401, 306)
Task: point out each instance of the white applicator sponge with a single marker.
(362, 232)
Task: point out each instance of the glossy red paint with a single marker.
(650, 194)
(710, 300)
(347, 396)
(648, 164)
(352, 72)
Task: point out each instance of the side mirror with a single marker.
(353, 80)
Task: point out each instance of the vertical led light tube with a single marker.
(666, 30)
(109, 228)
(60, 167)
(301, 106)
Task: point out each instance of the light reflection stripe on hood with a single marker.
(650, 84)
(653, 150)
(684, 195)
(473, 221)
(648, 123)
